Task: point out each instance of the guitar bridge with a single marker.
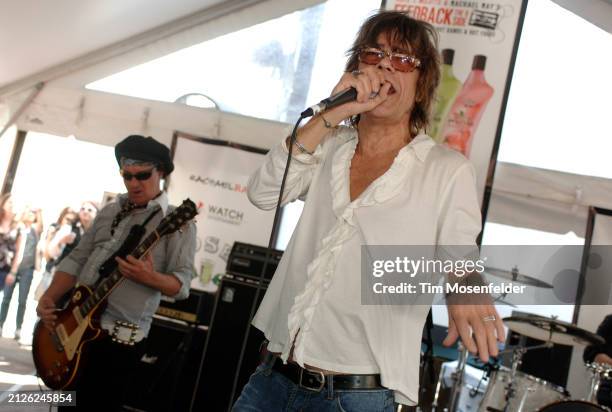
(124, 333)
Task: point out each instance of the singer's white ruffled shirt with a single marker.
(427, 197)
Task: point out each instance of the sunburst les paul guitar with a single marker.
(59, 353)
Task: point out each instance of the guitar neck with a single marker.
(107, 285)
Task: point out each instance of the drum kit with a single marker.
(506, 389)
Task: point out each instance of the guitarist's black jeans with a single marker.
(105, 378)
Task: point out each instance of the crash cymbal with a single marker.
(555, 331)
(515, 276)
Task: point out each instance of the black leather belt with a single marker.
(316, 381)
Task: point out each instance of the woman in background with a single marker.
(25, 260)
(8, 239)
(50, 250)
(87, 214)
(58, 236)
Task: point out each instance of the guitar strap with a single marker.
(130, 243)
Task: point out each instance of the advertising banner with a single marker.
(478, 41)
(214, 175)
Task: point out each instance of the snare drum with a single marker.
(530, 393)
(573, 406)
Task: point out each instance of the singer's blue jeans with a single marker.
(269, 391)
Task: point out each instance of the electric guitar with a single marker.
(59, 353)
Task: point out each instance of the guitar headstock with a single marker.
(177, 218)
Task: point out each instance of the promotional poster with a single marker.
(477, 40)
(225, 214)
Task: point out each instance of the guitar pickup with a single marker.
(60, 333)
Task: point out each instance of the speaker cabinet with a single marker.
(165, 377)
(222, 375)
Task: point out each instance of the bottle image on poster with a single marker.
(445, 95)
(467, 109)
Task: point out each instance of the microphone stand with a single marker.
(260, 280)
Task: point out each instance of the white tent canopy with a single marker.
(75, 43)
(64, 107)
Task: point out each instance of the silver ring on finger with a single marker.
(356, 72)
(490, 318)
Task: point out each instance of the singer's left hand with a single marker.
(477, 324)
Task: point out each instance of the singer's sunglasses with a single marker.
(140, 176)
(400, 61)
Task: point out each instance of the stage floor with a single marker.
(16, 364)
(17, 374)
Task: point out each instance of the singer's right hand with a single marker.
(369, 80)
(372, 90)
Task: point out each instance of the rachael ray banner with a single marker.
(214, 174)
(478, 43)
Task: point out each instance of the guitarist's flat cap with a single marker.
(145, 149)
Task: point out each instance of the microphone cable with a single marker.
(260, 280)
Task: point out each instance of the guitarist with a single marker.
(167, 269)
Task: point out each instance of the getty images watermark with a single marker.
(458, 268)
(526, 275)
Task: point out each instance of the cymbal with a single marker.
(555, 331)
(515, 276)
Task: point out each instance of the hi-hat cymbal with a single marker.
(515, 276)
(551, 330)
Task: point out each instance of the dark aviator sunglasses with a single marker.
(140, 176)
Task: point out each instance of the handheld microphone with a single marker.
(345, 96)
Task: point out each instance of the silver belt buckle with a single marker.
(124, 333)
(321, 381)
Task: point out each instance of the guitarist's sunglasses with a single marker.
(140, 176)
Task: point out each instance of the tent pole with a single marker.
(11, 170)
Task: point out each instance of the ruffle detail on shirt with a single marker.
(320, 270)
(319, 273)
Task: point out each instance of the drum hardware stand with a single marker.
(517, 359)
(458, 377)
(597, 371)
(434, 403)
(517, 355)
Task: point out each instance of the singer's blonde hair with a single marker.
(417, 36)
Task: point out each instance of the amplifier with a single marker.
(197, 308)
(222, 375)
(246, 260)
(165, 377)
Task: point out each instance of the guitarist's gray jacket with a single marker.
(130, 301)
